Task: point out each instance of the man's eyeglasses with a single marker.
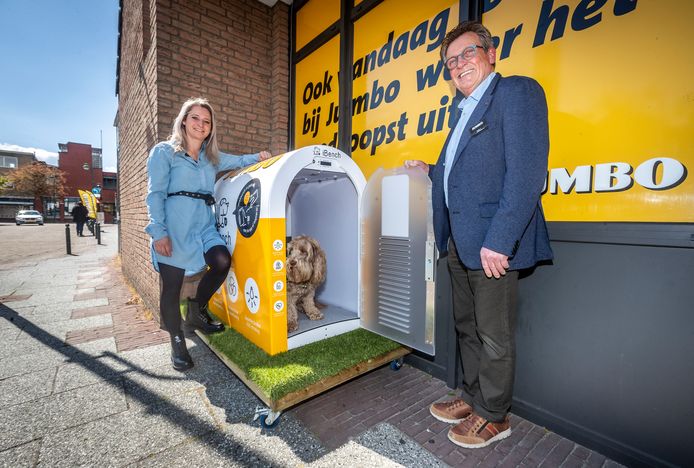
(467, 54)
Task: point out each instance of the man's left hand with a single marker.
(264, 155)
(494, 263)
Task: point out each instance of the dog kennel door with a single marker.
(398, 257)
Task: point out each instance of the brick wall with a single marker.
(72, 162)
(233, 52)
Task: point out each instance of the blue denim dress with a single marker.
(189, 222)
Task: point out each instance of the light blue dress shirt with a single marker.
(467, 107)
(189, 222)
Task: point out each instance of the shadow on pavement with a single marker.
(221, 442)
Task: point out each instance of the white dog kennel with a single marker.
(377, 238)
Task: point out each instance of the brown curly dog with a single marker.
(306, 270)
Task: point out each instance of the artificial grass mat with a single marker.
(298, 368)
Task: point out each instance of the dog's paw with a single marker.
(315, 315)
(292, 327)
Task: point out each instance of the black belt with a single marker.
(209, 199)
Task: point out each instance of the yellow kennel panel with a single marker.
(319, 191)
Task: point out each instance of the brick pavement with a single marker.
(132, 325)
(401, 398)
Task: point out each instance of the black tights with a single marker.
(218, 260)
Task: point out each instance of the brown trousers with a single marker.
(484, 310)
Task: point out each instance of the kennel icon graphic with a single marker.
(377, 238)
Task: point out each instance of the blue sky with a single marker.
(58, 75)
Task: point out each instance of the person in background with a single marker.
(486, 188)
(79, 215)
(181, 175)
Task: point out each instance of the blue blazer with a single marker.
(497, 177)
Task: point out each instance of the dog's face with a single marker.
(305, 261)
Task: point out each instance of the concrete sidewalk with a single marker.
(85, 379)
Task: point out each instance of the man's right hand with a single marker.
(163, 246)
(409, 163)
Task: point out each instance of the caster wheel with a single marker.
(396, 364)
(264, 423)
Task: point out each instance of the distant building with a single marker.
(11, 200)
(83, 168)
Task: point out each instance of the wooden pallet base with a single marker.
(317, 388)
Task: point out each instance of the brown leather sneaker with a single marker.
(452, 412)
(477, 432)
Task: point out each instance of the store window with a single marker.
(315, 16)
(8, 162)
(399, 98)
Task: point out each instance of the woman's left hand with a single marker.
(264, 155)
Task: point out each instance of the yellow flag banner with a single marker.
(89, 200)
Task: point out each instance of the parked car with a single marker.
(28, 217)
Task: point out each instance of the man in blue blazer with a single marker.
(486, 188)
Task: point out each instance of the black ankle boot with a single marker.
(180, 358)
(198, 317)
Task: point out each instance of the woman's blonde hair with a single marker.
(178, 134)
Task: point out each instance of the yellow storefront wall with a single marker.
(314, 17)
(619, 92)
(617, 81)
(399, 78)
(316, 95)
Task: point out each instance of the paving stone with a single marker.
(7, 324)
(39, 309)
(28, 421)
(455, 458)
(9, 285)
(14, 298)
(573, 461)
(159, 355)
(231, 402)
(9, 334)
(91, 311)
(522, 448)
(86, 335)
(94, 294)
(595, 459)
(26, 387)
(32, 363)
(612, 464)
(387, 446)
(55, 356)
(518, 432)
(91, 350)
(42, 296)
(441, 447)
(20, 347)
(22, 456)
(559, 453)
(163, 382)
(50, 304)
(89, 372)
(59, 328)
(92, 273)
(543, 447)
(128, 436)
(581, 452)
(244, 445)
(40, 318)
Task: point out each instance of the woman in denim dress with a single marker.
(181, 176)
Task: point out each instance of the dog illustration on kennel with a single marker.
(377, 240)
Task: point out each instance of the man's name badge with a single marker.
(478, 128)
